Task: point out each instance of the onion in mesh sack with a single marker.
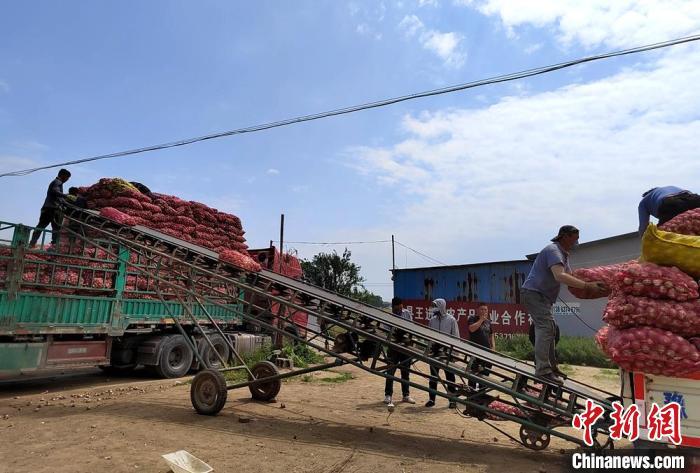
(653, 351)
(687, 223)
(500, 406)
(119, 217)
(682, 318)
(605, 274)
(658, 282)
(239, 260)
(601, 338)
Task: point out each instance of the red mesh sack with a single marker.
(126, 202)
(239, 260)
(653, 351)
(682, 318)
(687, 223)
(657, 282)
(119, 217)
(604, 274)
(601, 338)
(150, 207)
(499, 406)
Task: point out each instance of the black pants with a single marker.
(479, 366)
(52, 216)
(434, 372)
(676, 205)
(404, 363)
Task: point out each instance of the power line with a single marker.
(336, 242)
(422, 254)
(370, 105)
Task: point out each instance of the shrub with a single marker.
(581, 351)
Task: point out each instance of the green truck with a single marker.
(92, 303)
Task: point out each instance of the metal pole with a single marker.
(393, 258)
(281, 242)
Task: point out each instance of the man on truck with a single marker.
(665, 203)
(540, 291)
(51, 211)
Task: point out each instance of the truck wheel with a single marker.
(208, 392)
(175, 357)
(210, 357)
(268, 390)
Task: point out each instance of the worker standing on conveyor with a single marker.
(540, 291)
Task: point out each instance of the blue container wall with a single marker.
(491, 282)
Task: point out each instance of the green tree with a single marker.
(338, 274)
(363, 295)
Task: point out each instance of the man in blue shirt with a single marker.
(665, 203)
(540, 291)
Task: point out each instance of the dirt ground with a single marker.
(93, 423)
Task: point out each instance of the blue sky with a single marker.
(486, 174)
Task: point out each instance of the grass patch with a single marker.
(607, 374)
(580, 351)
(301, 355)
(340, 378)
(566, 369)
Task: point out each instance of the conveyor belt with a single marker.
(364, 334)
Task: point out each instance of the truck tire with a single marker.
(210, 357)
(208, 392)
(175, 357)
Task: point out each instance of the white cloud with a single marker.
(365, 29)
(619, 23)
(300, 188)
(430, 3)
(10, 163)
(4, 86)
(411, 25)
(493, 182)
(447, 46)
(533, 48)
(273, 171)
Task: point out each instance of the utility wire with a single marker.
(421, 254)
(576, 315)
(336, 242)
(370, 105)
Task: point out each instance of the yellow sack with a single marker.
(672, 249)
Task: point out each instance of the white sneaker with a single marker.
(408, 399)
(387, 400)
